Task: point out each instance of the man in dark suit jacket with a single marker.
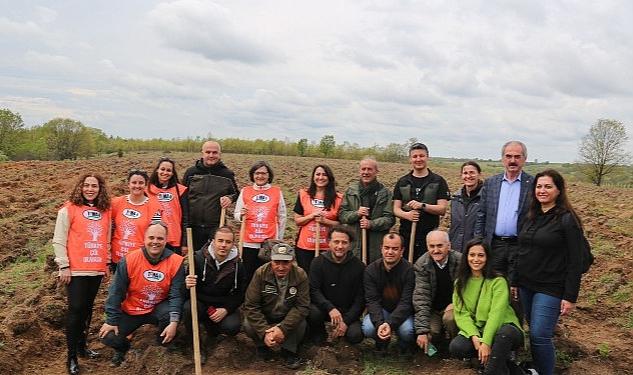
(504, 204)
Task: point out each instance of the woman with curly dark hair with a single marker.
(488, 326)
(165, 191)
(82, 252)
(319, 203)
(548, 264)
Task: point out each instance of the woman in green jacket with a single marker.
(489, 328)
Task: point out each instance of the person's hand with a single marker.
(225, 201)
(365, 223)
(105, 328)
(476, 342)
(274, 336)
(413, 215)
(318, 215)
(190, 281)
(423, 342)
(219, 314)
(335, 317)
(340, 329)
(169, 332)
(384, 331)
(64, 276)
(363, 211)
(484, 353)
(514, 292)
(414, 205)
(566, 307)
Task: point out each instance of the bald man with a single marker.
(211, 187)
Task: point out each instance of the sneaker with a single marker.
(117, 358)
(292, 361)
(72, 365)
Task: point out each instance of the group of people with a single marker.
(512, 253)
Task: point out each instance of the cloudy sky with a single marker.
(461, 76)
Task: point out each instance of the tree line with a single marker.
(601, 151)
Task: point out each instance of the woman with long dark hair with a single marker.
(547, 268)
(263, 208)
(464, 206)
(82, 252)
(165, 191)
(319, 203)
(488, 326)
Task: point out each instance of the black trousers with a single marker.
(230, 325)
(82, 291)
(507, 339)
(130, 323)
(305, 257)
(316, 325)
(251, 262)
(503, 256)
(420, 242)
(200, 236)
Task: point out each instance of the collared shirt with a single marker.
(508, 208)
(443, 264)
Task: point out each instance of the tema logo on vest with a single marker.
(165, 196)
(318, 203)
(92, 214)
(153, 275)
(131, 214)
(261, 198)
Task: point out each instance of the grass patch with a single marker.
(623, 294)
(24, 272)
(603, 247)
(382, 365)
(603, 350)
(564, 359)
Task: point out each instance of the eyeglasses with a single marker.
(165, 158)
(418, 146)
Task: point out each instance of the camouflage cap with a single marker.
(282, 251)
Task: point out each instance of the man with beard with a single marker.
(146, 290)
(367, 205)
(276, 305)
(336, 289)
(211, 186)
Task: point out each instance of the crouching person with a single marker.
(389, 283)
(336, 289)
(220, 285)
(146, 290)
(276, 305)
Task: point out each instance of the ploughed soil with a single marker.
(595, 339)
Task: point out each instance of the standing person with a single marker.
(276, 305)
(435, 273)
(503, 205)
(367, 205)
(263, 208)
(82, 253)
(488, 327)
(389, 283)
(211, 186)
(220, 286)
(131, 215)
(319, 203)
(420, 196)
(146, 290)
(336, 289)
(548, 265)
(165, 191)
(464, 206)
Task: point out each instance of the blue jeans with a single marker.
(541, 311)
(406, 333)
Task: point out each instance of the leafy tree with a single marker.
(68, 139)
(302, 146)
(10, 126)
(327, 145)
(602, 149)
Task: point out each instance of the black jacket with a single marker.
(220, 287)
(206, 185)
(338, 285)
(398, 284)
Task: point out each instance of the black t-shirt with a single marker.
(428, 189)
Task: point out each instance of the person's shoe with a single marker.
(292, 361)
(381, 349)
(406, 352)
(73, 365)
(263, 353)
(87, 353)
(117, 358)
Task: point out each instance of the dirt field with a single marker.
(595, 339)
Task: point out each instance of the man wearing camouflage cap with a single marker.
(276, 305)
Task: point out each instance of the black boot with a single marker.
(72, 365)
(117, 359)
(87, 353)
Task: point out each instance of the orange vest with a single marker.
(307, 233)
(130, 222)
(170, 210)
(261, 217)
(87, 244)
(148, 284)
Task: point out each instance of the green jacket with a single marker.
(262, 296)
(381, 218)
(493, 309)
